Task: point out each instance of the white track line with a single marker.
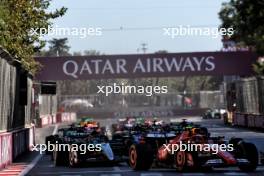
(37, 158)
(31, 165)
(235, 173)
(55, 129)
(84, 172)
(193, 174)
(116, 168)
(151, 174)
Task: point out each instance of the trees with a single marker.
(17, 21)
(59, 47)
(92, 53)
(247, 19)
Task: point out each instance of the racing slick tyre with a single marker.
(52, 157)
(74, 158)
(250, 152)
(49, 139)
(140, 157)
(180, 160)
(195, 163)
(59, 158)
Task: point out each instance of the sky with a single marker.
(126, 24)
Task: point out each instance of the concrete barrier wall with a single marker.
(249, 120)
(14, 143)
(23, 140)
(45, 120)
(68, 117)
(5, 149)
(32, 137)
(16, 109)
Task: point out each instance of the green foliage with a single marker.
(259, 68)
(17, 19)
(247, 19)
(92, 53)
(77, 53)
(59, 47)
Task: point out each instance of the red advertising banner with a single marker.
(146, 65)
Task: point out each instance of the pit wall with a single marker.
(15, 143)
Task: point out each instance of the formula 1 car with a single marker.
(154, 131)
(75, 145)
(88, 122)
(183, 125)
(244, 155)
(125, 123)
(214, 114)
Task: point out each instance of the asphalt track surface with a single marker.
(45, 167)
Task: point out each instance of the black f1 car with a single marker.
(75, 145)
(139, 131)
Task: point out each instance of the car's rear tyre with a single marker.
(74, 158)
(52, 157)
(140, 157)
(180, 160)
(59, 158)
(49, 140)
(195, 163)
(250, 152)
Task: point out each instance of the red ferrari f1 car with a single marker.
(208, 152)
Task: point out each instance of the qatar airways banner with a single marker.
(146, 65)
